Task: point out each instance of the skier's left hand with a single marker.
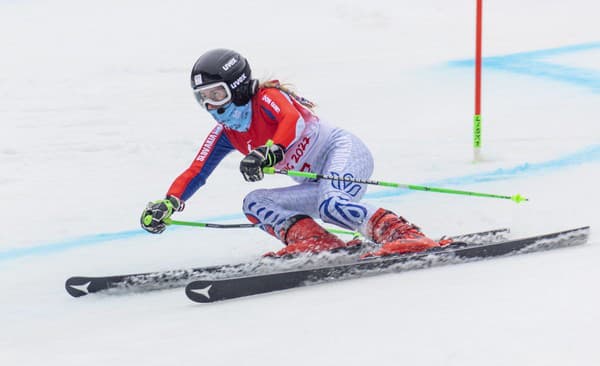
(156, 212)
(264, 156)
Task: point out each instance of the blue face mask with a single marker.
(235, 117)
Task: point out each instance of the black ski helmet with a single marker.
(228, 66)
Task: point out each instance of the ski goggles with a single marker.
(216, 94)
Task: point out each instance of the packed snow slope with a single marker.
(97, 118)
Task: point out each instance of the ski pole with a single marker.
(516, 198)
(241, 226)
(209, 225)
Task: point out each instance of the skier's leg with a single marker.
(339, 202)
(273, 208)
(286, 214)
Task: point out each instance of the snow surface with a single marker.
(97, 119)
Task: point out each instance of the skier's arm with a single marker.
(213, 150)
(280, 108)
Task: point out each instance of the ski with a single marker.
(78, 286)
(216, 290)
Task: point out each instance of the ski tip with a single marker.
(199, 291)
(78, 286)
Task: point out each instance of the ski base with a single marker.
(205, 291)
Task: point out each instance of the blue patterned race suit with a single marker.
(336, 202)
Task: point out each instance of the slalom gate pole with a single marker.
(516, 198)
(241, 226)
(477, 116)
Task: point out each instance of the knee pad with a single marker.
(258, 209)
(340, 210)
(252, 199)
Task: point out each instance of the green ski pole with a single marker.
(209, 225)
(516, 198)
(241, 226)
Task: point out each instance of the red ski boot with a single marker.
(396, 235)
(304, 235)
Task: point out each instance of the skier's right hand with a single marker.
(156, 212)
(263, 156)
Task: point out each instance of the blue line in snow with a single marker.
(536, 64)
(87, 240)
(590, 154)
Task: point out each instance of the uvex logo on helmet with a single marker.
(239, 80)
(229, 63)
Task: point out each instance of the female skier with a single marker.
(274, 127)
